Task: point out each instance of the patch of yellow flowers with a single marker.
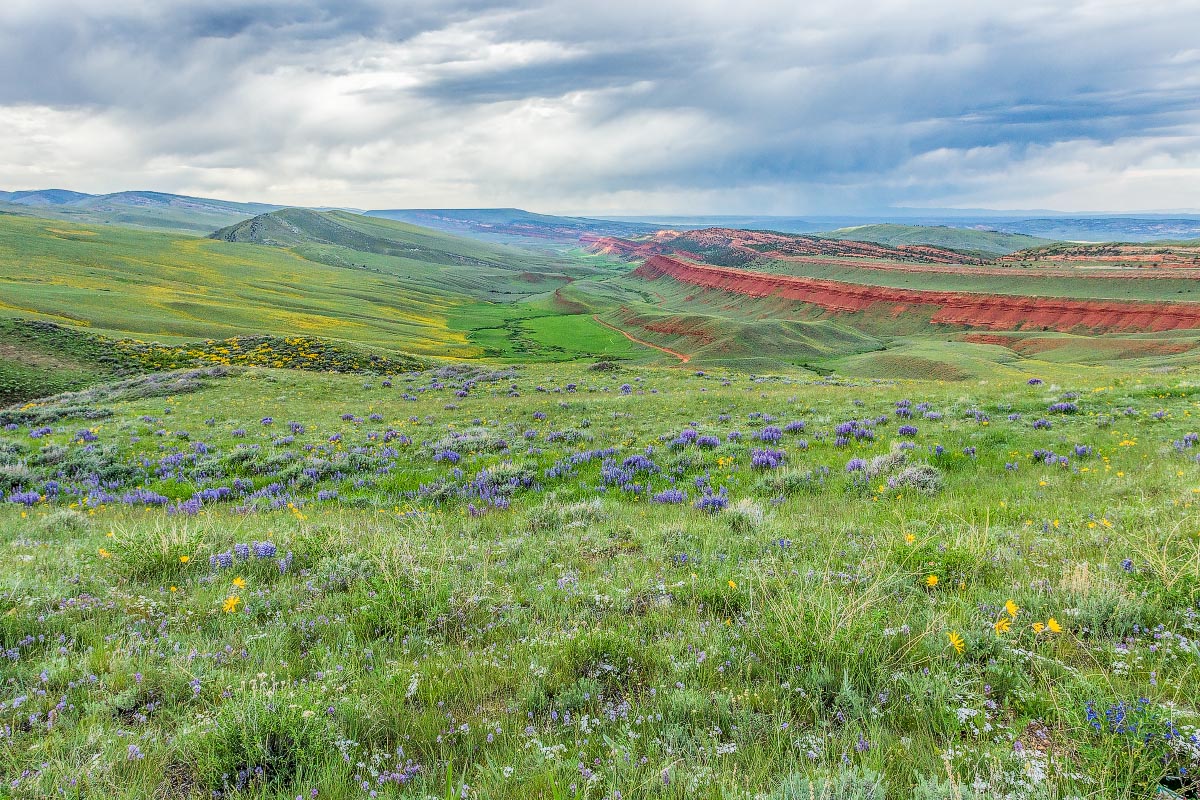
(1003, 624)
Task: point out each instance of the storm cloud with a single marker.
(609, 107)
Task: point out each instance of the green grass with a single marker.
(122, 282)
(159, 286)
(40, 359)
(1022, 282)
(966, 239)
(146, 210)
(673, 653)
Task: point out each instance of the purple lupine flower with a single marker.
(713, 502)
(27, 498)
(766, 458)
(669, 496)
(769, 434)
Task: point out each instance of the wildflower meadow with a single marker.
(601, 582)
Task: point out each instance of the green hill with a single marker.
(172, 288)
(968, 239)
(401, 294)
(300, 227)
(150, 210)
(515, 226)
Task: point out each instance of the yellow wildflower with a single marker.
(231, 603)
(931, 581)
(1012, 609)
(239, 582)
(956, 642)
(1053, 626)
(1002, 625)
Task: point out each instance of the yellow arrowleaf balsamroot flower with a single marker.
(909, 538)
(956, 642)
(1038, 627)
(732, 585)
(931, 581)
(1012, 609)
(1002, 625)
(184, 559)
(1053, 626)
(231, 603)
(239, 582)
(104, 553)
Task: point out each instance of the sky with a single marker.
(607, 106)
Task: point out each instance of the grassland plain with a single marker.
(561, 581)
(125, 283)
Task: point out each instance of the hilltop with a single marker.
(969, 240)
(300, 227)
(151, 210)
(514, 225)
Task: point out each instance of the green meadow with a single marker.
(573, 581)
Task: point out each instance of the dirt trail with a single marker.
(683, 359)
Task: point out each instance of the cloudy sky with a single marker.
(607, 106)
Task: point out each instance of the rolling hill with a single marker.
(408, 290)
(515, 226)
(966, 239)
(302, 227)
(150, 210)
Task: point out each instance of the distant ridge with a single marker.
(514, 225)
(969, 239)
(43, 197)
(335, 236)
(135, 209)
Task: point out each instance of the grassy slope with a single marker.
(1020, 282)
(40, 359)
(792, 634)
(147, 210)
(975, 241)
(122, 281)
(401, 297)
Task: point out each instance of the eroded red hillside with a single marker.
(756, 244)
(999, 312)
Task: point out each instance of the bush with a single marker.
(850, 784)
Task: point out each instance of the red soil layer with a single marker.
(1137, 255)
(988, 338)
(763, 243)
(999, 312)
(1124, 348)
(1132, 272)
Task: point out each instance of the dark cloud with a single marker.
(607, 106)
